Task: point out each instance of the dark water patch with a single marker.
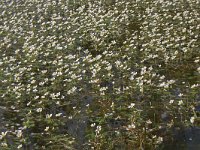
(184, 139)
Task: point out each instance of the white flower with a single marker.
(198, 69)
(12, 107)
(93, 124)
(118, 63)
(39, 110)
(46, 129)
(3, 134)
(194, 86)
(162, 77)
(109, 67)
(36, 97)
(180, 102)
(103, 89)
(180, 95)
(28, 103)
(171, 101)
(131, 105)
(192, 119)
(48, 115)
(98, 129)
(58, 103)
(159, 140)
(58, 115)
(33, 81)
(98, 57)
(59, 48)
(44, 71)
(131, 126)
(72, 90)
(19, 133)
(20, 146)
(149, 121)
(3, 144)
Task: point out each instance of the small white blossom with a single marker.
(3, 144)
(93, 124)
(180, 102)
(3, 134)
(19, 133)
(39, 109)
(131, 126)
(19, 146)
(198, 69)
(58, 115)
(149, 121)
(46, 129)
(159, 140)
(48, 115)
(131, 105)
(192, 119)
(98, 129)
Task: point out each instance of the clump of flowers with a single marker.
(137, 60)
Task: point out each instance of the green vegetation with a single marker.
(98, 74)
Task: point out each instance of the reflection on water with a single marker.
(187, 139)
